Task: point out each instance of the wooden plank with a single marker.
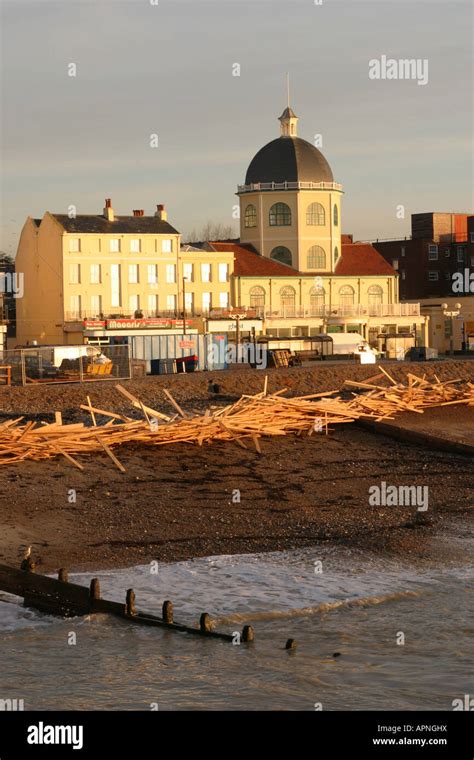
(111, 455)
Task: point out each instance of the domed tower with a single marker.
(290, 206)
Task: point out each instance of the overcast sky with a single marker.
(167, 69)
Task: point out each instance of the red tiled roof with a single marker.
(249, 263)
(359, 259)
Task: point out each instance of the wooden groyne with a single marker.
(59, 597)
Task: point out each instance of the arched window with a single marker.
(282, 254)
(316, 258)
(250, 216)
(280, 215)
(336, 216)
(287, 299)
(315, 214)
(336, 254)
(257, 297)
(375, 294)
(316, 300)
(346, 295)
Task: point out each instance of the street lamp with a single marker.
(452, 314)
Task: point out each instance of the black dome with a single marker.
(288, 159)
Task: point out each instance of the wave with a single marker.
(368, 601)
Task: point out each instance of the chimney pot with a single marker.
(108, 203)
(161, 212)
(138, 212)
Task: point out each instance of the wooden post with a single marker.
(130, 602)
(63, 575)
(28, 566)
(167, 611)
(248, 633)
(94, 591)
(205, 622)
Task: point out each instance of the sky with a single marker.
(166, 69)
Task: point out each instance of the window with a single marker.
(315, 214)
(448, 328)
(171, 303)
(346, 296)
(74, 245)
(133, 274)
(96, 274)
(287, 299)
(433, 253)
(403, 274)
(223, 299)
(75, 304)
(335, 216)
(316, 258)
(280, 215)
(114, 245)
(167, 246)
(472, 261)
(153, 304)
(135, 245)
(257, 297)
(205, 273)
(460, 254)
(115, 290)
(223, 272)
(170, 273)
(395, 264)
(336, 254)
(282, 254)
(206, 301)
(433, 276)
(472, 237)
(375, 296)
(316, 300)
(134, 303)
(250, 216)
(402, 250)
(189, 302)
(447, 276)
(96, 305)
(152, 274)
(74, 274)
(447, 253)
(188, 272)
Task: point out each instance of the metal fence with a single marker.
(64, 364)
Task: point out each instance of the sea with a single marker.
(370, 633)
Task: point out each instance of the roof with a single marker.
(288, 159)
(249, 263)
(121, 224)
(356, 260)
(288, 113)
(361, 259)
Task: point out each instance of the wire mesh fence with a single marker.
(64, 364)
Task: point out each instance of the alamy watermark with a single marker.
(12, 282)
(245, 353)
(399, 496)
(401, 68)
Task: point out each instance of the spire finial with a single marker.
(288, 89)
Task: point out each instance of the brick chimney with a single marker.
(138, 212)
(161, 212)
(108, 210)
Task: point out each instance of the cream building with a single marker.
(83, 273)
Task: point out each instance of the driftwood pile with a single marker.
(245, 422)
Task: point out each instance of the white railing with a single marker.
(288, 186)
(341, 310)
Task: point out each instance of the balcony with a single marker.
(288, 186)
(341, 310)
